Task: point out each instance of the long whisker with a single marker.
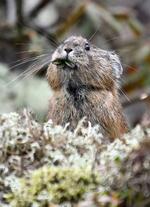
(32, 72)
(93, 35)
(33, 68)
(20, 60)
(127, 98)
(36, 70)
(29, 51)
(26, 60)
(121, 90)
(16, 78)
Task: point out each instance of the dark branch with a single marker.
(20, 20)
(40, 6)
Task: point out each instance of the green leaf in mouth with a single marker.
(64, 62)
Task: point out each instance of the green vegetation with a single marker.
(54, 184)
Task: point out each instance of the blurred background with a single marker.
(31, 30)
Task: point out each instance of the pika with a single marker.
(85, 83)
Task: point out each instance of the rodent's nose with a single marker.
(68, 50)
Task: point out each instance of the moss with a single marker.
(54, 184)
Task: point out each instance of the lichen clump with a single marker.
(43, 165)
(53, 184)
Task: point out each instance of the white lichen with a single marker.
(26, 145)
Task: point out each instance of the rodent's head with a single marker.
(86, 64)
(72, 53)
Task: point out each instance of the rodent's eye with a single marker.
(87, 46)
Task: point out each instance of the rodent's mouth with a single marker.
(64, 62)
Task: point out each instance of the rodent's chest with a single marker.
(75, 94)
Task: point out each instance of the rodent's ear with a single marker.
(116, 64)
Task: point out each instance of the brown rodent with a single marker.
(84, 80)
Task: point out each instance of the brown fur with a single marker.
(89, 88)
